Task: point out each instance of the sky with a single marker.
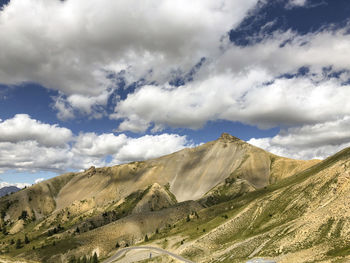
(100, 82)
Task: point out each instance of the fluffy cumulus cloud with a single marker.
(253, 98)
(74, 46)
(91, 144)
(150, 146)
(309, 141)
(257, 84)
(191, 105)
(126, 149)
(39, 180)
(285, 52)
(28, 150)
(22, 128)
(285, 80)
(282, 79)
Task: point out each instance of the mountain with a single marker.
(189, 195)
(304, 218)
(8, 190)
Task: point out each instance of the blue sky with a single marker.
(86, 82)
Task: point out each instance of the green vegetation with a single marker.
(23, 215)
(338, 228)
(55, 230)
(18, 244)
(172, 196)
(26, 239)
(84, 259)
(340, 249)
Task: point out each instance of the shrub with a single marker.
(23, 215)
(26, 239)
(18, 244)
(94, 258)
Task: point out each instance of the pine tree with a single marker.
(196, 214)
(4, 231)
(18, 244)
(146, 238)
(26, 239)
(84, 259)
(117, 245)
(94, 258)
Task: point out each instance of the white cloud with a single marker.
(296, 3)
(31, 156)
(191, 105)
(92, 106)
(253, 98)
(65, 111)
(246, 84)
(39, 180)
(148, 147)
(22, 128)
(28, 150)
(60, 45)
(91, 144)
(316, 141)
(285, 52)
(69, 45)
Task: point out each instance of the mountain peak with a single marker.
(8, 190)
(228, 137)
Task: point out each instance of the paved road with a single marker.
(122, 251)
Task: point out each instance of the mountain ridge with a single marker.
(81, 206)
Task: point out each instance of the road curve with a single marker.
(122, 251)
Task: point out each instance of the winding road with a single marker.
(123, 251)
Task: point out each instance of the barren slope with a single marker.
(79, 213)
(191, 173)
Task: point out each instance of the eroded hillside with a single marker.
(304, 218)
(79, 213)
